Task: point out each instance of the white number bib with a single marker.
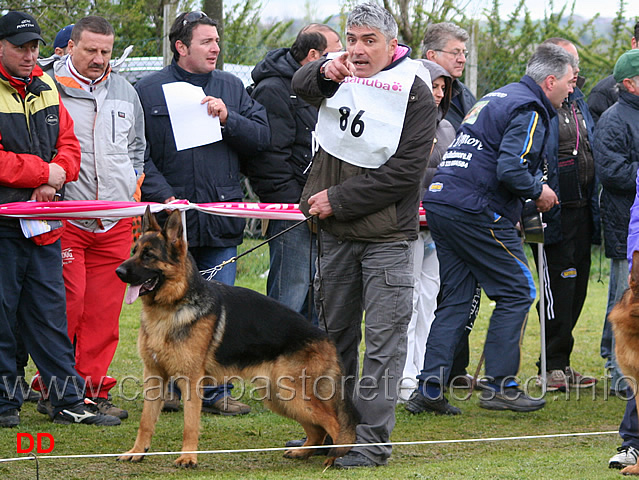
(362, 123)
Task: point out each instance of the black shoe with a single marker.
(28, 393)
(353, 460)
(418, 403)
(171, 403)
(10, 418)
(316, 451)
(87, 413)
(511, 398)
(45, 408)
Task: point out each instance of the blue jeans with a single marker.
(209, 257)
(629, 427)
(291, 270)
(616, 288)
(205, 258)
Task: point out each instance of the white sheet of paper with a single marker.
(192, 125)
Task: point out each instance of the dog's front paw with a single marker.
(298, 453)
(186, 460)
(329, 461)
(132, 455)
(631, 470)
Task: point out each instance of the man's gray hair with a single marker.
(374, 16)
(549, 59)
(439, 34)
(622, 88)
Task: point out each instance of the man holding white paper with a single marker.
(183, 166)
(191, 123)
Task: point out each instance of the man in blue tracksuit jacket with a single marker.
(473, 205)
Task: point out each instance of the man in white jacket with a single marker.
(109, 123)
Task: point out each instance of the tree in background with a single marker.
(503, 46)
(247, 38)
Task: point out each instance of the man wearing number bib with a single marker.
(376, 123)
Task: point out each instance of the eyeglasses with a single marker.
(456, 53)
(192, 17)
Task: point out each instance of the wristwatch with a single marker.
(322, 71)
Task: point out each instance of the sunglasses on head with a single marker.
(192, 17)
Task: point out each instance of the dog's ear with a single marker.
(634, 274)
(149, 223)
(173, 229)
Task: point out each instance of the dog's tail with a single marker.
(348, 419)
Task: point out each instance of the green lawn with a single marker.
(583, 457)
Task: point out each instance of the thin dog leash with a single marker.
(211, 272)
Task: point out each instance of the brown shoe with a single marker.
(107, 408)
(226, 406)
(462, 381)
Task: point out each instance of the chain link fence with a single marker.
(134, 68)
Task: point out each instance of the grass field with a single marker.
(579, 457)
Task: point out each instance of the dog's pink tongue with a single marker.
(132, 293)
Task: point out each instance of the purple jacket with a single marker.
(633, 227)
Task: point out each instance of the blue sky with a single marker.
(283, 9)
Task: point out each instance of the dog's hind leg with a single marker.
(632, 469)
(192, 411)
(150, 412)
(315, 435)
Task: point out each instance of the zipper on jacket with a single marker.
(27, 113)
(113, 126)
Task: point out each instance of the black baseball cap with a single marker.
(19, 28)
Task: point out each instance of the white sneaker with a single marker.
(626, 456)
(555, 380)
(407, 387)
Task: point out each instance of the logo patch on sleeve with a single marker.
(569, 273)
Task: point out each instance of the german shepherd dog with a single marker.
(624, 318)
(193, 329)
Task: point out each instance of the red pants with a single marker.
(94, 299)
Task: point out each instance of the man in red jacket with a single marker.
(39, 153)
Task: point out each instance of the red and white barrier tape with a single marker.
(104, 209)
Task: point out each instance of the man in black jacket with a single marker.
(445, 44)
(602, 97)
(208, 173)
(279, 174)
(616, 149)
(605, 93)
